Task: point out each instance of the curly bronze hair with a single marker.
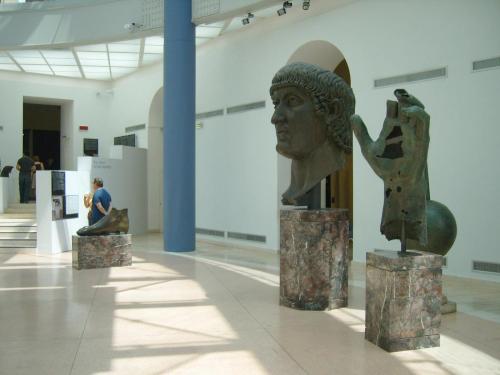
(324, 88)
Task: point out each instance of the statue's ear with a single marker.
(335, 109)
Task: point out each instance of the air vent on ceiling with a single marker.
(134, 128)
(246, 107)
(412, 77)
(486, 64)
(485, 266)
(204, 115)
(204, 8)
(210, 232)
(246, 237)
(152, 14)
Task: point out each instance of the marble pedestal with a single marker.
(314, 259)
(403, 300)
(102, 251)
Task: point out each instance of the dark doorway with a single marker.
(42, 133)
(339, 186)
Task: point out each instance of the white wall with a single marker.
(55, 236)
(124, 175)
(80, 106)
(237, 166)
(378, 39)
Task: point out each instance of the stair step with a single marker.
(16, 250)
(10, 210)
(18, 236)
(20, 228)
(17, 222)
(17, 243)
(18, 216)
(23, 205)
(7, 218)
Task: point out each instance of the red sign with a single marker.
(84, 127)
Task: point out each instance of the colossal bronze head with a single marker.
(312, 111)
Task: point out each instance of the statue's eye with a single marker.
(276, 103)
(294, 100)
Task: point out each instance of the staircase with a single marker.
(18, 228)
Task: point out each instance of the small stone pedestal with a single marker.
(403, 300)
(102, 251)
(313, 259)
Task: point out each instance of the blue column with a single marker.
(179, 127)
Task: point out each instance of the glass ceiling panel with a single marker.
(64, 68)
(93, 55)
(150, 58)
(92, 62)
(154, 41)
(130, 64)
(30, 60)
(120, 72)
(97, 61)
(69, 74)
(42, 69)
(95, 69)
(11, 67)
(58, 54)
(57, 61)
(26, 53)
(124, 47)
(92, 48)
(153, 49)
(207, 31)
(124, 56)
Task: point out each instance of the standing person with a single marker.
(25, 166)
(87, 201)
(101, 201)
(38, 167)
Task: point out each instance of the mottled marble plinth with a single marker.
(447, 306)
(403, 300)
(102, 251)
(314, 259)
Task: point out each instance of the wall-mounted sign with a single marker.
(125, 140)
(84, 127)
(90, 146)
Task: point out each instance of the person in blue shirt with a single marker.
(101, 201)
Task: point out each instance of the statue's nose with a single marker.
(278, 116)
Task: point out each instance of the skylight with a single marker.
(105, 61)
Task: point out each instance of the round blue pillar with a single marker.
(179, 127)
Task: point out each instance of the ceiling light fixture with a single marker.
(306, 4)
(246, 21)
(287, 4)
(281, 11)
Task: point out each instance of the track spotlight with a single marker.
(281, 11)
(306, 4)
(245, 21)
(287, 4)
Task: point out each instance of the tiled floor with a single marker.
(214, 311)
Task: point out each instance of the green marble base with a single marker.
(102, 251)
(403, 300)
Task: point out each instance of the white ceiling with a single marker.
(110, 61)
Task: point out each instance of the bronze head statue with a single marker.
(312, 114)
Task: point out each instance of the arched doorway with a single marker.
(155, 163)
(338, 188)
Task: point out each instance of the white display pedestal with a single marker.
(125, 178)
(4, 194)
(55, 236)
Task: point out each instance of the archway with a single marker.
(155, 163)
(338, 188)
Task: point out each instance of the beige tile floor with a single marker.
(214, 311)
